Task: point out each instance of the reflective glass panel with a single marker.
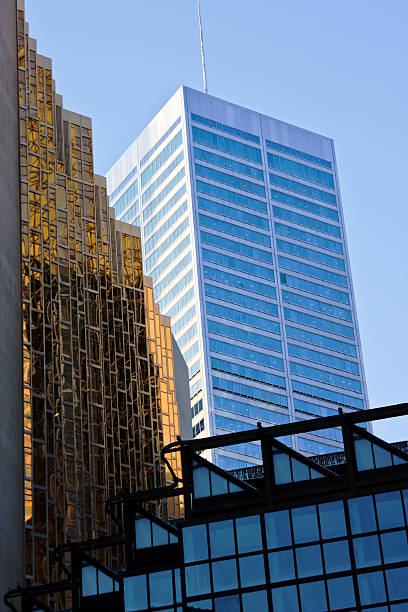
(161, 588)
(341, 593)
(281, 565)
(278, 529)
(362, 515)
(395, 546)
(89, 584)
(227, 604)
(201, 479)
(252, 570)
(198, 579)
(313, 597)
(195, 543)
(105, 583)
(160, 535)
(256, 600)
(389, 510)
(371, 587)
(309, 561)
(364, 454)
(284, 599)
(367, 551)
(222, 538)
(249, 533)
(143, 533)
(135, 593)
(225, 575)
(332, 522)
(397, 582)
(305, 524)
(219, 485)
(336, 556)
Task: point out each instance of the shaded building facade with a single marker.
(294, 534)
(99, 392)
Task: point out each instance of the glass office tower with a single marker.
(243, 235)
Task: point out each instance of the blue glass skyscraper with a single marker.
(244, 238)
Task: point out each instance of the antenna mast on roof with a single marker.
(202, 49)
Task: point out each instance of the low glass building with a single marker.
(294, 534)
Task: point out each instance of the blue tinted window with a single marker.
(278, 529)
(135, 593)
(313, 597)
(227, 604)
(195, 543)
(161, 588)
(285, 599)
(238, 264)
(202, 604)
(229, 179)
(311, 207)
(371, 587)
(238, 281)
(341, 593)
(310, 192)
(234, 230)
(319, 241)
(249, 534)
(367, 551)
(238, 333)
(307, 173)
(309, 561)
(231, 196)
(244, 318)
(308, 270)
(105, 583)
(197, 579)
(252, 570)
(226, 128)
(318, 323)
(229, 164)
(332, 361)
(325, 377)
(256, 600)
(306, 253)
(362, 515)
(89, 584)
(395, 546)
(389, 510)
(305, 524)
(397, 584)
(332, 520)
(336, 556)
(225, 575)
(222, 538)
(227, 145)
(281, 565)
(326, 394)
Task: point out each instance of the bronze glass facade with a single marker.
(96, 382)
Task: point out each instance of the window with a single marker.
(183, 301)
(394, 546)
(372, 588)
(187, 336)
(327, 395)
(305, 524)
(151, 260)
(323, 359)
(310, 192)
(225, 128)
(175, 290)
(146, 195)
(228, 164)
(238, 264)
(321, 307)
(197, 579)
(180, 323)
(150, 243)
(315, 224)
(389, 510)
(278, 529)
(235, 247)
(241, 299)
(198, 428)
(195, 543)
(239, 282)
(118, 189)
(328, 326)
(323, 341)
(341, 593)
(148, 155)
(301, 154)
(126, 198)
(161, 588)
(255, 412)
(238, 333)
(247, 391)
(332, 521)
(222, 541)
(226, 145)
(159, 288)
(233, 213)
(310, 207)
(234, 230)
(165, 207)
(250, 373)
(231, 196)
(285, 599)
(281, 566)
(196, 408)
(299, 251)
(308, 270)
(313, 596)
(135, 589)
(336, 556)
(249, 537)
(367, 551)
(362, 515)
(230, 180)
(309, 561)
(225, 575)
(309, 287)
(287, 469)
(252, 570)
(163, 156)
(319, 241)
(307, 173)
(257, 600)
(244, 318)
(156, 273)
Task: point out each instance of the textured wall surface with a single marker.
(11, 452)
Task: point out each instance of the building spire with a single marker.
(202, 49)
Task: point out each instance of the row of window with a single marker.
(149, 227)
(158, 270)
(231, 463)
(187, 336)
(231, 196)
(230, 245)
(246, 448)
(311, 304)
(238, 281)
(305, 253)
(303, 335)
(312, 321)
(300, 154)
(240, 299)
(181, 303)
(307, 173)
(238, 264)
(226, 145)
(198, 428)
(146, 195)
(319, 241)
(237, 388)
(195, 387)
(196, 408)
(247, 410)
(122, 184)
(246, 354)
(331, 361)
(333, 434)
(313, 409)
(175, 290)
(225, 128)
(228, 424)
(172, 275)
(180, 323)
(150, 208)
(242, 317)
(189, 354)
(310, 207)
(230, 180)
(325, 377)
(315, 224)
(150, 243)
(333, 397)
(131, 215)
(237, 369)
(161, 158)
(233, 213)
(309, 287)
(193, 369)
(234, 230)
(311, 192)
(228, 164)
(316, 448)
(148, 155)
(126, 198)
(151, 260)
(308, 270)
(236, 333)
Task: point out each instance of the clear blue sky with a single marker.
(338, 68)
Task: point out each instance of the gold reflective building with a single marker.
(99, 389)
